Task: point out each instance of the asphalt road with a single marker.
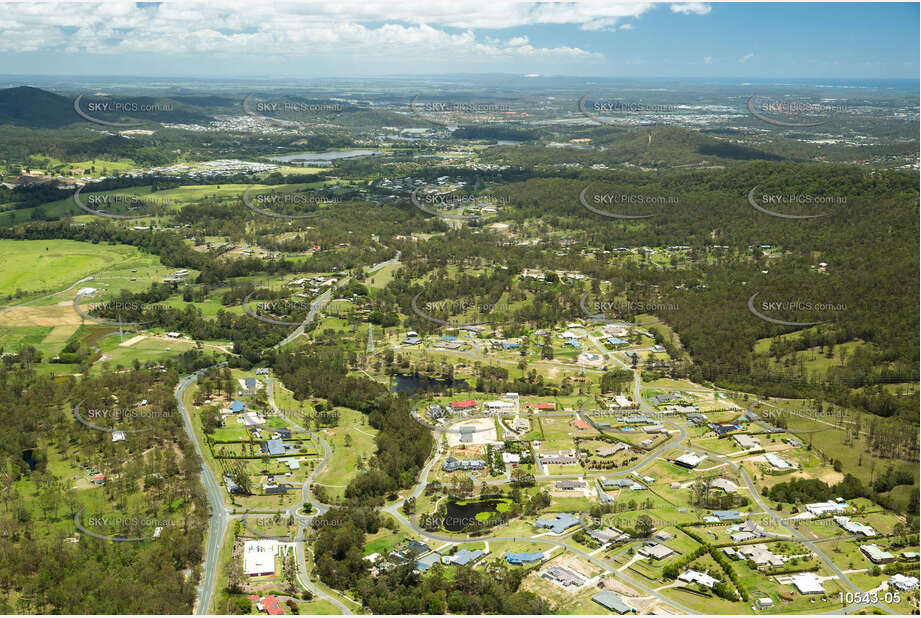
(219, 515)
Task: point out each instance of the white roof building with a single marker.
(823, 508)
(697, 577)
(689, 460)
(511, 458)
(725, 484)
(854, 527)
(251, 419)
(499, 405)
(904, 583)
(259, 557)
(777, 462)
(808, 583)
(622, 401)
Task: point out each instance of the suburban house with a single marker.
(746, 441)
(725, 484)
(564, 577)
(570, 485)
(611, 449)
(876, 554)
(466, 556)
(808, 583)
(559, 524)
(689, 460)
(691, 576)
(523, 558)
(824, 508)
(273, 447)
(903, 583)
(777, 462)
(656, 551)
(451, 464)
(612, 602)
(496, 406)
(557, 458)
(604, 536)
(270, 605)
(466, 404)
(854, 527)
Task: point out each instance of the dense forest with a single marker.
(153, 475)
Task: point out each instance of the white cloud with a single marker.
(747, 57)
(385, 29)
(627, 27)
(708, 60)
(688, 8)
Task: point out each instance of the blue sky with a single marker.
(238, 38)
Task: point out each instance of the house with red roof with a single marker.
(99, 479)
(271, 605)
(466, 404)
(581, 424)
(545, 406)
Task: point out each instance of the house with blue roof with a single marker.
(523, 558)
(237, 406)
(573, 343)
(616, 341)
(559, 524)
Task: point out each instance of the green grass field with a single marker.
(52, 265)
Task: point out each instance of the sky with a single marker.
(366, 38)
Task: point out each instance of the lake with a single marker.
(416, 384)
(462, 513)
(305, 158)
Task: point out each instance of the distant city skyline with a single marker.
(237, 39)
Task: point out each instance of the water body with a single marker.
(411, 385)
(459, 516)
(305, 158)
(27, 456)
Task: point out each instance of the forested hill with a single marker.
(868, 239)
